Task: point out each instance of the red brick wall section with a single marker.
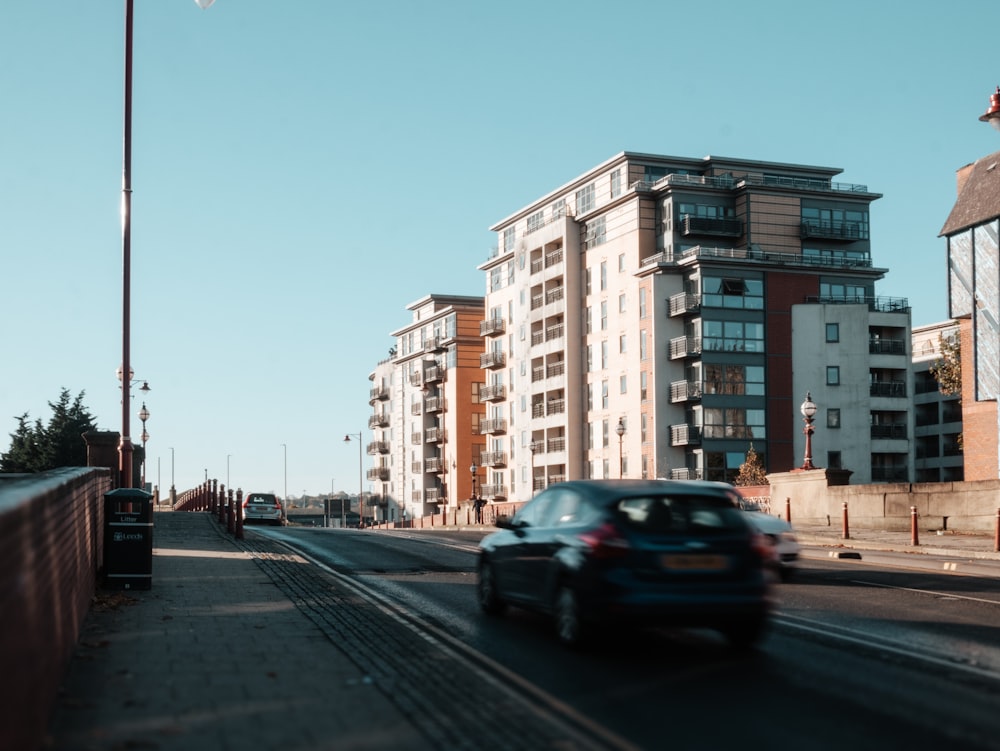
(979, 419)
(51, 546)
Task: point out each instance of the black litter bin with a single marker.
(128, 539)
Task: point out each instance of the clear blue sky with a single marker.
(304, 170)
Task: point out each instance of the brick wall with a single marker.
(51, 546)
(979, 419)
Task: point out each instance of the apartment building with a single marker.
(937, 416)
(426, 410)
(972, 231)
(656, 316)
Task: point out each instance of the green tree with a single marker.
(947, 370)
(36, 448)
(751, 471)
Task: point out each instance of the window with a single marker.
(833, 460)
(642, 427)
(833, 375)
(643, 354)
(833, 417)
(595, 233)
(604, 275)
(733, 336)
(724, 378)
(621, 262)
(622, 344)
(623, 384)
(733, 422)
(604, 315)
(559, 208)
(508, 239)
(585, 199)
(732, 292)
(616, 183)
(604, 355)
(586, 282)
(642, 302)
(604, 433)
(643, 379)
(590, 357)
(604, 394)
(621, 303)
(535, 221)
(588, 320)
(833, 332)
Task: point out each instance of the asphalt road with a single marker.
(859, 655)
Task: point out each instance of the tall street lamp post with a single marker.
(227, 470)
(808, 410)
(361, 509)
(143, 416)
(284, 498)
(620, 430)
(125, 446)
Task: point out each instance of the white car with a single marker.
(782, 536)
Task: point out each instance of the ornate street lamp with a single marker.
(143, 416)
(808, 410)
(992, 115)
(473, 469)
(620, 430)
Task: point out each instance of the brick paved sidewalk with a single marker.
(215, 656)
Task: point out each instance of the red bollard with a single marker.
(238, 511)
(847, 529)
(788, 510)
(230, 519)
(220, 507)
(914, 533)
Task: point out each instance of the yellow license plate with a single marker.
(688, 562)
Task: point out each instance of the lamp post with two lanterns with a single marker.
(143, 416)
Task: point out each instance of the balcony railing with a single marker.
(493, 393)
(492, 426)
(554, 332)
(433, 374)
(416, 408)
(553, 258)
(538, 409)
(685, 346)
(555, 406)
(433, 344)
(554, 295)
(434, 464)
(434, 435)
(683, 473)
(894, 431)
(886, 347)
(683, 303)
(378, 447)
(494, 458)
(378, 420)
(494, 491)
(378, 473)
(685, 435)
(492, 360)
(492, 326)
(379, 393)
(555, 369)
(697, 225)
(682, 391)
(843, 231)
(875, 304)
(416, 438)
(895, 389)
(434, 403)
(557, 444)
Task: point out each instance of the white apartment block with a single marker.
(937, 416)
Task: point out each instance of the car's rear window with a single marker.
(681, 514)
(261, 499)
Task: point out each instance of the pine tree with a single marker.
(36, 448)
(751, 471)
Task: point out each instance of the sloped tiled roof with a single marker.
(979, 199)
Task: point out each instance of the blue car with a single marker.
(591, 553)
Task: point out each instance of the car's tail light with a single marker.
(764, 547)
(605, 541)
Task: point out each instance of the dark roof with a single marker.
(979, 198)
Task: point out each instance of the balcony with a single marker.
(538, 409)
(683, 391)
(434, 404)
(893, 389)
(378, 394)
(433, 374)
(494, 458)
(493, 426)
(554, 332)
(495, 392)
(435, 465)
(683, 303)
(492, 327)
(416, 408)
(378, 473)
(378, 447)
(555, 369)
(685, 346)
(892, 432)
(555, 406)
(842, 231)
(557, 444)
(554, 258)
(433, 495)
(696, 225)
(416, 438)
(378, 420)
(494, 491)
(683, 473)
(433, 344)
(554, 295)
(685, 435)
(886, 347)
(434, 435)
(416, 378)
(492, 360)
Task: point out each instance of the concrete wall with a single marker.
(51, 547)
(815, 497)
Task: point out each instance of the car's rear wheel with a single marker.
(570, 627)
(486, 590)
